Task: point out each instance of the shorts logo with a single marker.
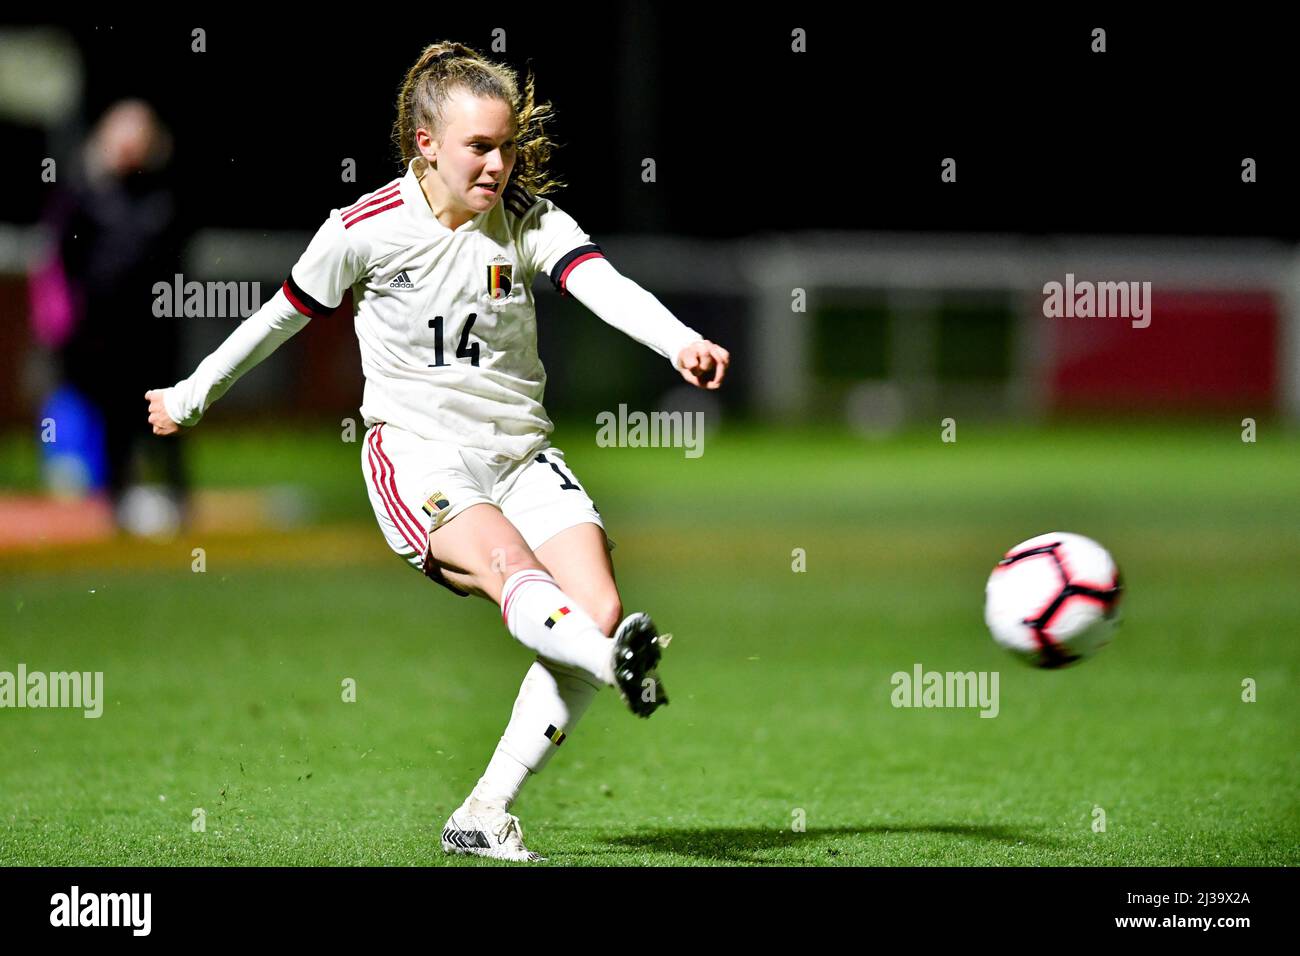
(556, 617)
(498, 277)
(554, 734)
(402, 281)
(436, 507)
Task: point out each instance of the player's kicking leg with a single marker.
(481, 552)
(578, 558)
(488, 557)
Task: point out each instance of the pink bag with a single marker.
(55, 304)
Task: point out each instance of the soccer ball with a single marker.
(1054, 599)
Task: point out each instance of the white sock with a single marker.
(551, 701)
(501, 781)
(544, 619)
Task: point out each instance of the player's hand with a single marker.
(703, 364)
(162, 422)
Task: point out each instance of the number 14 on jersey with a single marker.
(465, 350)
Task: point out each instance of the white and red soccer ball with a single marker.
(1054, 599)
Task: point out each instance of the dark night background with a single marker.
(748, 137)
(859, 358)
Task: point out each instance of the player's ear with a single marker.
(428, 148)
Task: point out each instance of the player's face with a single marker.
(477, 150)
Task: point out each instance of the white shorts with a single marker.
(417, 485)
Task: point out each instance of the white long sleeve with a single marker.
(620, 302)
(256, 337)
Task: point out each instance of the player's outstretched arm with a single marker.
(256, 337)
(620, 302)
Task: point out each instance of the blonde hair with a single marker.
(445, 67)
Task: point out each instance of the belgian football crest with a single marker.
(499, 278)
(436, 507)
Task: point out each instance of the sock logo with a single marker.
(554, 734)
(556, 617)
(403, 281)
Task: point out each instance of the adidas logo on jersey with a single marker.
(403, 281)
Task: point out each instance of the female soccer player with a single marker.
(463, 479)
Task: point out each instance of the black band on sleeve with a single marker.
(571, 259)
(303, 302)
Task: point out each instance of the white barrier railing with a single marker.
(910, 270)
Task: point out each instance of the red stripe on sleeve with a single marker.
(388, 192)
(299, 304)
(564, 276)
(373, 212)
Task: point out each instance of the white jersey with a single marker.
(445, 318)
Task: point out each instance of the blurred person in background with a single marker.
(114, 236)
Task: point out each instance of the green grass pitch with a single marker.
(223, 688)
